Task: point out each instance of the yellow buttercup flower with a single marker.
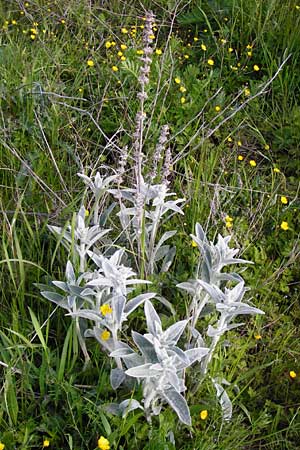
(218, 108)
(182, 100)
(292, 374)
(103, 443)
(256, 68)
(114, 69)
(203, 47)
(239, 143)
(229, 139)
(228, 219)
(228, 224)
(230, 50)
(123, 58)
(257, 337)
(151, 36)
(284, 200)
(196, 39)
(124, 30)
(177, 80)
(247, 92)
(252, 163)
(46, 443)
(276, 170)
(284, 225)
(158, 51)
(90, 63)
(123, 46)
(140, 52)
(2, 446)
(267, 147)
(105, 309)
(105, 335)
(120, 53)
(249, 54)
(194, 244)
(182, 89)
(210, 62)
(249, 47)
(186, 56)
(240, 157)
(32, 36)
(203, 414)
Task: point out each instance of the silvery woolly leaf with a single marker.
(189, 286)
(179, 405)
(235, 309)
(173, 333)
(215, 293)
(118, 304)
(152, 318)
(236, 294)
(161, 252)
(195, 354)
(61, 285)
(121, 352)
(145, 346)
(70, 274)
(168, 259)
(132, 304)
(129, 405)
(117, 376)
(172, 205)
(56, 298)
(167, 235)
(224, 401)
(143, 371)
(228, 277)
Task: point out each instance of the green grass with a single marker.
(56, 114)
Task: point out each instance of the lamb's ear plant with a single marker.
(102, 274)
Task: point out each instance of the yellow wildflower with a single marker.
(284, 225)
(120, 53)
(196, 39)
(229, 139)
(297, 7)
(105, 309)
(249, 54)
(63, 21)
(230, 49)
(151, 36)
(113, 43)
(257, 337)
(240, 157)
(267, 147)
(108, 44)
(124, 30)
(228, 219)
(203, 414)
(46, 443)
(103, 443)
(90, 63)
(203, 47)
(252, 163)
(292, 374)
(249, 47)
(223, 41)
(86, 212)
(34, 30)
(210, 62)
(14, 22)
(284, 200)
(276, 170)
(140, 52)
(186, 56)
(32, 36)
(105, 335)
(123, 58)
(182, 100)
(114, 69)
(194, 244)
(123, 46)
(218, 108)
(239, 143)
(247, 92)
(256, 68)
(158, 51)
(177, 80)
(2, 446)
(228, 224)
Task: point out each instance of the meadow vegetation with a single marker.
(213, 113)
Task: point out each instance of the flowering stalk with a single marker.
(140, 117)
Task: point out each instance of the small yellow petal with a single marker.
(284, 225)
(292, 374)
(284, 200)
(210, 62)
(203, 414)
(256, 68)
(105, 335)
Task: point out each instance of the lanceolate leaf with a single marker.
(179, 404)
